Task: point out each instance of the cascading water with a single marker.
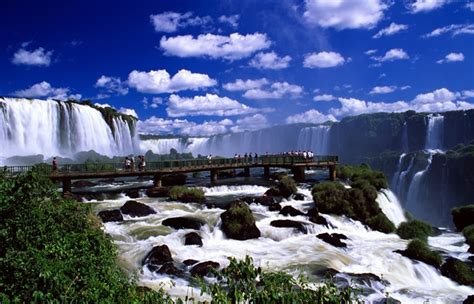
(53, 128)
(163, 145)
(399, 180)
(390, 206)
(413, 195)
(405, 146)
(315, 139)
(434, 134)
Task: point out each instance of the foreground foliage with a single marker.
(241, 282)
(185, 194)
(419, 250)
(415, 229)
(54, 251)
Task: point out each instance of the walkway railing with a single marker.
(170, 164)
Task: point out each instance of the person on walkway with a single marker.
(132, 163)
(143, 163)
(55, 165)
(127, 163)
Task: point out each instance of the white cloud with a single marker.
(169, 22)
(158, 125)
(392, 29)
(311, 116)
(112, 85)
(370, 52)
(323, 60)
(468, 94)
(232, 20)
(38, 57)
(345, 14)
(103, 105)
(232, 47)
(244, 85)
(276, 91)
(127, 111)
(454, 29)
(417, 6)
(250, 123)
(207, 128)
(391, 55)
(210, 104)
(154, 103)
(270, 60)
(159, 81)
(470, 6)
(324, 97)
(383, 90)
(439, 95)
(44, 89)
(452, 57)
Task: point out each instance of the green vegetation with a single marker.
(54, 251)
(463, 216)
(419, 250)
(287, 186)
(185, 194)
(238, 222)
(415, 229)
(364, 173)
(241, 282)
(468, 233)
(458, 271)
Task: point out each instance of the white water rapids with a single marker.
(288, 249)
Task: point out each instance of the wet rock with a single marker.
(238, 222)
(333, 239)
(174, 180)
(83, 183)
(288, 210)
(171, 269)
(159, 255)
(133, 193)
(458, 271)
(388, 300)
(190, 262)
(298, 197)
(320, 220)
(261, 200)
(193, 238)
(113, 215)
(469, 300)
(274, 207)
(135, 209)
(183, 222)
(463, 216)
(289, 224)
(273, 191)
(158, 192)
(204, 268)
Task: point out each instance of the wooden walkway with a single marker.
(68, 172)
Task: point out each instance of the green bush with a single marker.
(415, 229)
(458, 271)
(287, 186)
(363, 172)
(419, 250)
(185, 194)
(468, 233)
(381, 223)
(242, 282)
(54, 251)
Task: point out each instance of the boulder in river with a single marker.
(183, 222)
(193, 238)
(469, 300)
(174, 179)
(190, 262)
(135, 209)
(83, 183)
(171, 269)
(113, 215)
(238, 222)
(458, 271)
(289, 210)
(158, 192)
(289, 224)
(463, 216)
(204, 268)
(274, 207)
(133, 193)
(159, 255)
(298, 197)
(314, 217)
(333, 239)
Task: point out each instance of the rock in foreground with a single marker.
(238, 222)
(136, 209)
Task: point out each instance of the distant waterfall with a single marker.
(405, 146)
(53, 128)
(414, 188)
(315, 139)
(434, 134)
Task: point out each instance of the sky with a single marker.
(219, 66)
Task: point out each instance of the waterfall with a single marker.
(396, 175)
(53, 128)
(414, 188)
(390, 206)
(163, 145)
(315, 139)
(405, 146)
(434, 134)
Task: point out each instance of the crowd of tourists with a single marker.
(129, 163)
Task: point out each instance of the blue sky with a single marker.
(209, 67)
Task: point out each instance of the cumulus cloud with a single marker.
(323, 60)
(383, 90)
(370, 52)
(244, 85)
(418, 6)
(468, 94)
(345, 14)
(324, 97)
(392, 55)
(270, 61)
(160, 81)
(276, 91)
(250, 123)
(311, 116)
(154, 103)
(44, 89)
(38, 57)
(454, 29)
(452, 57)
(392, 29)
(210, 104)
(170, 22)
(232, 47)
(232, 20)
(112, 85)
(127, 111)
(470, 6)
(158, 125)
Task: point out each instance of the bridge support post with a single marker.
(266, 171)
(247, 171)
(298, 174)
(66, 185)
(213, 176)
(332, 172)
(157, 180)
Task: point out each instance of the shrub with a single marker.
(185, 194)
(363, 172)
(458, 271)
(381, 223)
(419, 250)
(242, 282)
(415, 229)
(287, 186)
(468, 233)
